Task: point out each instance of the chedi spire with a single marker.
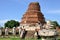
(34, 6)
(33, 14)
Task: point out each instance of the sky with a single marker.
(14, 9)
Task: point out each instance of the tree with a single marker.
(11, 24)
(55, 24)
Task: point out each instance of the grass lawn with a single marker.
(16, 39)
(9, 38)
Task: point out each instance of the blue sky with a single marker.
(14, 9)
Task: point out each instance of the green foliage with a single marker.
(55, 24)
(11, 24)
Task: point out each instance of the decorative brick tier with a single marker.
(33, 15)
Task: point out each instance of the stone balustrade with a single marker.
(45, 32)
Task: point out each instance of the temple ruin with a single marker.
(33, 24)
(33, 14)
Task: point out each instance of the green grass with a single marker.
(9, 38)
(17, 39)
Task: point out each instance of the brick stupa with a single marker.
(33, 15)
(31, 19)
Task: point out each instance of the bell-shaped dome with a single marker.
(33, 14)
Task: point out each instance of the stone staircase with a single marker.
(30, 34)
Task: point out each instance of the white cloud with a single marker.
(53, 11)
(4, 21)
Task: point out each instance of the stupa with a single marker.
(32, 20)
(33, 14)
(33, 24)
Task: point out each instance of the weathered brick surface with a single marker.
(33, 14)
(30, 34)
